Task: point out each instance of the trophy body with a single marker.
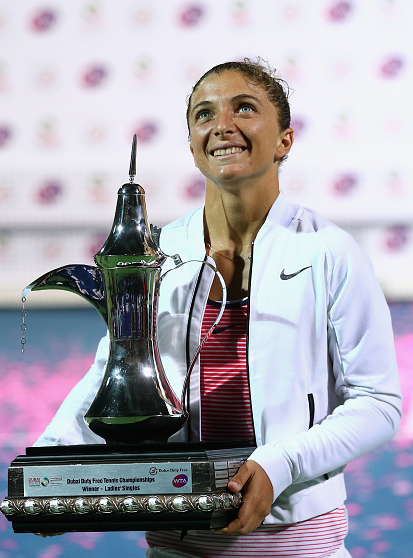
(137, 480)
(135, 402)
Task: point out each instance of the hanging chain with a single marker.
(248, 258)
(23, 327)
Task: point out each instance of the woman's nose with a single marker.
(223, 123)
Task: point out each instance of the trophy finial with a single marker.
(132, 166)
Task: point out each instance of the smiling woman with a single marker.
(303, 363)
(276, 88)
(231, 115)
(237, 140)
(227, 110)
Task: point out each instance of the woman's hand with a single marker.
(256, 500)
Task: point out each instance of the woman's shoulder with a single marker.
(183, 221)
(309, 221)
(322, 235)
(185, 231)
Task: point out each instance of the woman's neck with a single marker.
(233, 218)
(232, 221)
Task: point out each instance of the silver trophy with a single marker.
(137, 474)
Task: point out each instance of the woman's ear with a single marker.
(192, 153)
(285, 142)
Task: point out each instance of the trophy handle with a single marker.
(180, 263)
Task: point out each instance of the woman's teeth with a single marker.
(227, 151)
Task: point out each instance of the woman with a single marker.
(305, 351)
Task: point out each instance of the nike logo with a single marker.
(221, 329)
(284, 277)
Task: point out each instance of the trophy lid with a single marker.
(130, 241)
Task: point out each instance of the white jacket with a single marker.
(321, 361)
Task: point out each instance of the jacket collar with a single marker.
(281, 212)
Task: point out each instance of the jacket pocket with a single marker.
(311, 411)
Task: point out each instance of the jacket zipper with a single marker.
(188, 356)
(247, 345)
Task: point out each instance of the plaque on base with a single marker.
(117, 488)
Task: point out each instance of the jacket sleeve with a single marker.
(68, 426)
(363, 362)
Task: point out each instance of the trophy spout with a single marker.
(83, 280)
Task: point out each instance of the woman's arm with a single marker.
(68, 426)
(362, 355)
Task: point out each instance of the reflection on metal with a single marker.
(135, 402)
(121, 504)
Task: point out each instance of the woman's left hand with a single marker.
(256, 500)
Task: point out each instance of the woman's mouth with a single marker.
(226, 151)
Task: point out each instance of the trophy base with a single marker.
(160, 427)
(149, 486)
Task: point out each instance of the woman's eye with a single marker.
(202, 114)
(245, 108)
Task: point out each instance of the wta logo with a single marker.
(179, 481)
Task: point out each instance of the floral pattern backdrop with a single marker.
(78, 78)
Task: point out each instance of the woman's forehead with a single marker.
(228, 83)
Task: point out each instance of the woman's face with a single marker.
(234, 130)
